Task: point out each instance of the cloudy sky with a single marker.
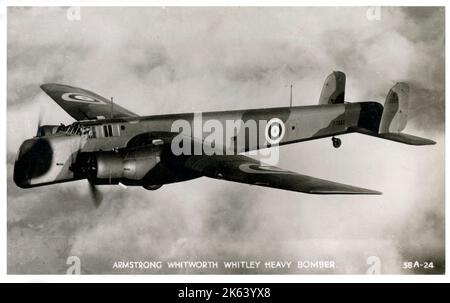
(170, 60)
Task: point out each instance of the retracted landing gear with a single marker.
(336, 142)
(152, 186)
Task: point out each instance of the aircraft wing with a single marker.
(82, 104)
(242, 169)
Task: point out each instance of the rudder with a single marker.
(333, 91)
(394, 118)
(395, 112)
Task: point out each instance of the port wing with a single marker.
(242, 169)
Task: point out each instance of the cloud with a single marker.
(169, 60)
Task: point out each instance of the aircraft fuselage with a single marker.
(55, 157)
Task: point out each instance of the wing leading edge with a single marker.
(242, 169)
(82, 104)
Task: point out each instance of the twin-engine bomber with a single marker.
(112, 145)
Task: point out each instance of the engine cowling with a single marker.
(110, 167)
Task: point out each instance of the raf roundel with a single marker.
(74, 97)
(274, 131)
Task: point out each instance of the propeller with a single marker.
(86, 164)
(96, 195)
(39, 123)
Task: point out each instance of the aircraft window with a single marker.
(85, 130)
(61, 128)
(105, 130)
(74, 129)
(110, 133)
(70, 129)
(122, 127)
(108, 130)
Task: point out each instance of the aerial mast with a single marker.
(112, 107)
(290, 99)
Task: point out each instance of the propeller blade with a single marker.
(96, 195)
(39, 123)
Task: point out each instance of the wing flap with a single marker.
(82, 104)
(246, 170)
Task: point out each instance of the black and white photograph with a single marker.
(183, 140)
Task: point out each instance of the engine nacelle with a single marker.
(109, 167)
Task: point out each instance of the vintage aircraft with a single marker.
(111, 145)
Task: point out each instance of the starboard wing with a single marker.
(82, 104)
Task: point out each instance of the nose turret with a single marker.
(33, 160)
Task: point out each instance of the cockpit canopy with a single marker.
(72, 129)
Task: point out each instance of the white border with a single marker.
(191, 278)
(4, 206)
(223, 3)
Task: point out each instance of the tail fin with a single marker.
(395, 117)
(395, 112)
(333, 91)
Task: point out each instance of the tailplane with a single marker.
(407, 139)
(394, 118)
